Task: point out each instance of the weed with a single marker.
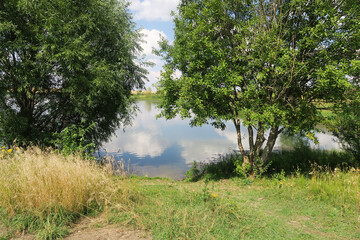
(279, 178)
(193, 174)
(225, 209)
(300, 160)
(223, 167)
(241, 169)
(207, 193)
(246, 182)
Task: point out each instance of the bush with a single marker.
(221, 168)
(346, 127)
(74, 139)
(303, 157)
(300, 159)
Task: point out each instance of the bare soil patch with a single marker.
(97, 229)
(89, 228)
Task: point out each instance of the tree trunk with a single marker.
(237, 124)
(255, 144)
(274, 133)
(260, 139)
(26, 104)
(251, 146)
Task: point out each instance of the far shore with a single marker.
(135, 92)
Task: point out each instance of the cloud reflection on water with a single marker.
(165, 148)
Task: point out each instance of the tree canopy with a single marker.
(345, 124)
(63, 62)
(260, 63)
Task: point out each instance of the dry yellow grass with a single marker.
(38, 181)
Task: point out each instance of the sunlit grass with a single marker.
(40, 188)
(44, 181)
(341, 188)
(322, 205)
(44, 192)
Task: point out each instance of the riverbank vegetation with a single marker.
(273, 67)
(263, 65)
(45, 193)
(300, 159)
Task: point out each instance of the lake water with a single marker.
(167, 148)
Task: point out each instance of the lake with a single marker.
(167, 148)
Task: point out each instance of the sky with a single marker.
(154, 19)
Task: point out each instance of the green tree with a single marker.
(63, 62)
(260, 63)
(345, 124)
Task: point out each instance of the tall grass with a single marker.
(302, 158)
(45, 190)
(322, 205)
(341, 187)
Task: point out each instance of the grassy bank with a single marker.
(325, 206)
(44, 193)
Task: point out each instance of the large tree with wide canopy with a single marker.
(261, 63)
(66, 62)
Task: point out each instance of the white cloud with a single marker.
(153, 77)
(326, 141)
(143, 138)
(156, 61)
(153, 9)
(150, 41)
(204, 150)
(177, 74)
(143, 144)
(140, 143)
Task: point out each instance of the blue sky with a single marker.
(153, 17)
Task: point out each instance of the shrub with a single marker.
(222, 167)
(74, 139)
(302, 158)
(346, 127)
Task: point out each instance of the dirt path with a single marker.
(95, 228)
(90, 228)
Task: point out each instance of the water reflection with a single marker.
(157, 147)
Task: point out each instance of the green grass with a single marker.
(322, 204)
(293, 208)
(325, 108)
